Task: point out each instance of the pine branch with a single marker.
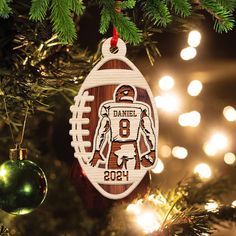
(105, 20)
(181, 7)
(129, 4)
(222, 215)
(189, 222)
(228, 4)
(126, 28)
(38, 9)
(175, 213)
(197, 192)
(63, 24)
(157, 12)
(224, 19)
(5, 10)
(77, 6)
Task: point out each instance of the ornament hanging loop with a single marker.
(121, 46)
(115, 37)
(23, 128)
(9, 123)
(19, 153)
(8, 118)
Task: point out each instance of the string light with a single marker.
(165, 151)
(194, 38)
(180, 152)
(234, 203)
(217, 143)
(168, 102)
(229, 158)
(144, 214)
(194, 88)
(150, 212)
(148, 222)
(166, 83)
(212, 206)
(229, 113)
(159, 167)
(210, 149)
(188, 53)
(191, 119)
(203, 170)
(133, 209)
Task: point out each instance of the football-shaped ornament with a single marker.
(115, 125)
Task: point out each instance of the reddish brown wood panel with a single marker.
(102, 94)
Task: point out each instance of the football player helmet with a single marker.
(125, 93)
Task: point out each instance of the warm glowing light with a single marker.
(210, 149)
(203, 170)
(166, 83)
(212, 206)
(234, 203)
(188, 53)
(229, 158)
(165, 151)
(180, 152)
(191, 119)
(229, 113)
(217, 143)
(148, 222)
(168, 102)
(194, 88)
(27, 188)
(133, 209)
(220, 140)
(157, 199)
(159, 167)
(194, 38)
(3, 172)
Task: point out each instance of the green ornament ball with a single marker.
(23, 186)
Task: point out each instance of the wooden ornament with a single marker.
(115, 125)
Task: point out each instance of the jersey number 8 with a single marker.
(124, 128)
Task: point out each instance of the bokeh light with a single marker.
(188, 53)
(165, 151)
(166, 83)
(3, 172)
(148, 222)
(191, 119)
(203, 170)
(229, 158)
(234, 203)
(194, 88)
(168, 102)
(210, 149)
(159, 167)
(217, 143)
(180, 152)
(229, 113)
(212, 206)
(133, 209)
(194, 38)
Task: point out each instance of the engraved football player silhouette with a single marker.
(121, 123)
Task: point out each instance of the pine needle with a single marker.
(62, 22)
(38, 9)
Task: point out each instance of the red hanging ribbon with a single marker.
(115, 35)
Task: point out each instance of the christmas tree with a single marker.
(47, 50)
